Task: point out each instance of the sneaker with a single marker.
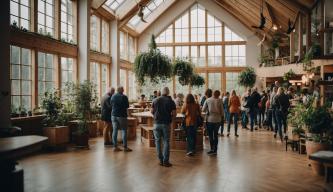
(116, 149)
(189, 153)
(236, 135)
(167, 164)
(222, 135)
(126, 149)
(108, 143)
(214, 153)
(210, 152)
(161, 163)
(274, 135)
(228, 134)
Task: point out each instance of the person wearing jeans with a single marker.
(163, 110)
(192, 112)
(214, 109)
(106, 116)
(234, 105)
(119, 103)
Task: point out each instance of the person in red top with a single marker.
(234, 108)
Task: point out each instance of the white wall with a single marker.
(252, 50)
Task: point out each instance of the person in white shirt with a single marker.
(213, 107)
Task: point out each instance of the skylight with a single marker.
(114, 4)
(149, 8)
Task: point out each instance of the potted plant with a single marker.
(295, 125)
(247, 78)
(317, 121)
(23, 111)
(14, 112)
(184, 70)
(152, 64)
(197, 80)
(85, 101)
(54, 126)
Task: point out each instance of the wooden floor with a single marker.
(253, 162)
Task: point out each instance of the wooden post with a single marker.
(292, 47)
(5, 89)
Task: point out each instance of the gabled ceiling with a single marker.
(276, 12)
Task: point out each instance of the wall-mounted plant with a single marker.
(152, 64)
(247, 77)
(184, 70)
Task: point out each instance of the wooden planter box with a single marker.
(131, 129)
(57, 135)
(92, 129)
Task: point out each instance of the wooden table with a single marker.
(11, 149)
(325, 157)
(177, 136)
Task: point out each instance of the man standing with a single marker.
(164, 110)
(106, 116)
(254, 107)
(119, 103)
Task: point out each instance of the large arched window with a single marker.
(217, 52)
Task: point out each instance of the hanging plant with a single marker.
(184, 70)
(247, 78)
(289, 75)
(152, 64)
(197, 80)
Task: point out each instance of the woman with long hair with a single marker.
(192, 112)
(234, 108)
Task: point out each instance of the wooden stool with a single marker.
(131, 129)
(147, 135)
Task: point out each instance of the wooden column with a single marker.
(5, 89)
(292, 47)
(300, 37)
(115, 60)
(83, 39)
(308, 31)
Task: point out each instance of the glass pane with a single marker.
(41, 6)
(26, 73)
(16, 90)
(16, 102)
(15, 71)
(49, 75)
(24, 12)
(14, 8)
(26, 102)
(15, 55)
(26, 57)
(26, 87)
(25, 24)
(48, 86)
(40, 74)
(41, 59)
(41, 88)
(49, 61)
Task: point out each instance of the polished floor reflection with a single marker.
(253, 162)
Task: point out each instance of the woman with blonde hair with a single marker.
(234, 108)
(192, 112)
(213, 107)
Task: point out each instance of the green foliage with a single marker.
(276, 40)
(264, 58)
(197, 80)
(152, 64)
(51, 103)
(184, 70)
(313, 52)
(84, 97)
(247, 78)
(290, 74)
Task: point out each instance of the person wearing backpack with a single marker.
(192, 113)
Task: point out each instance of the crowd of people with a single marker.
(267, 109)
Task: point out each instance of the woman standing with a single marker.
(192, 112)
(282, 105)
(234, 104)
(213, 106)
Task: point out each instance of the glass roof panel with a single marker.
(149, 8)
(114, 4)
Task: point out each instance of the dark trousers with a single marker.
(253, 118)
(245, 119)
(269, 117)
(281, 119)
(222, 126)
(212, 129)
(274, 114)
(191, 134)
(261, 117)
(235, 116)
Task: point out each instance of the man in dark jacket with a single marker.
(106, 116)
(252, 104)
(119, 103)
(281, 101)
(163, 110)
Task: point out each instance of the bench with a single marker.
(131, 129)
(326, 158)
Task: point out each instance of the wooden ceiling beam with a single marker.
(296, 5)
(131, 13)
(243, 19)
